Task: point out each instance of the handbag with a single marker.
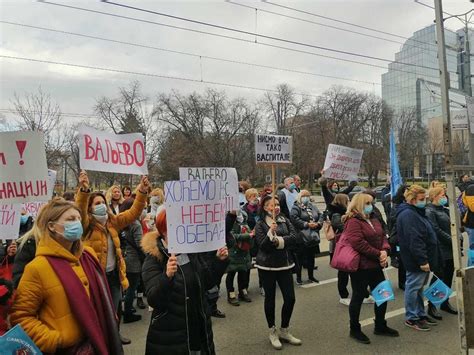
(328, 231)
(345, 258)
(310, 237)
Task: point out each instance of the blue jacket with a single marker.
(417, 239)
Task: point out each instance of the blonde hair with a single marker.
(340, 200)
(251, 192)
(357, 205)
(413, 191)
(435, 192)
(108, 195)
(33, 233)
(298, 198)
(158, 192)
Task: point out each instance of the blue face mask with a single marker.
(24, 218)
(292, 187)
(100, 210)
(420, 204)
(72, 231)
(305, 200)
(368, 209)
(443, 201)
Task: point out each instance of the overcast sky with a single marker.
(76, 89)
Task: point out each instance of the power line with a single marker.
(226, 28)
(145, 74)
(228, 37)
(186, 53)
(444, 12)
(332, 27)
(62, 114)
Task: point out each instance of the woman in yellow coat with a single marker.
(102, 228)
(62, 301)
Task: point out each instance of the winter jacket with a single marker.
(368, 239)
(284, 208)
(41, 306)
(417, 239)
(270, 256)
(22, 258)
(26, 227)
(335, 213)
(97, 237)
(439, 218)
(378, 215)
(464, 185)
(177, 314)
(301, 215)
(328, 194)
(134, 255)
(252, 215)
(239, 244)
(468, 201)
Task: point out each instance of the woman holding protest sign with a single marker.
(274, 234)
(62, 301)
(176, 289)
(308, 220)
(101, 231)
(366, 237)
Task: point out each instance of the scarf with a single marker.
(95, 314)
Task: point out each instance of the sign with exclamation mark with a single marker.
(23, 169)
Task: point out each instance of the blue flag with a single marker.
(470, 257)
(395, 176)
(16, 341)
(383, 292)
(438, 292)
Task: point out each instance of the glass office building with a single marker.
(416, 86)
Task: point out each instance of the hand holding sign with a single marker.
(83, 180)
(172, 266)
(144, 185)
(223, 253)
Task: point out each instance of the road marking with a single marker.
(325, 282)
(392, 314)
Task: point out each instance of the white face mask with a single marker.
(240, 218)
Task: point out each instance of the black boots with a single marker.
(383, 329)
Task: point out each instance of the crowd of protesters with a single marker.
(82, 265)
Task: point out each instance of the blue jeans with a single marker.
(470, 233)
(134, 281)
(414, 306)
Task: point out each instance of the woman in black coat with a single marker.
(175, 287)
(438, 215)
(308, 220)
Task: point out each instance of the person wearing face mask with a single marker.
(308, 221)
(26, 222)
(157, 198)
(176, 287)
(274, 235)
(364, 233)
(101, 231)
(330, 188)
(419, 251)
(62, 301)
(287, 196)
(438, 215)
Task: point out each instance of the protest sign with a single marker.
(52, 174)
(33, 208)
(16, 341)
(227, 175)
(195, 213)
(23, 170)
(113, 153)
(271, 149)
(342, 163)
(10, 214)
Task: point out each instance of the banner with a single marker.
(113, 153)
(383, 293)
(342, 163)
(226, 175)
(23, 169)
(395, 177)
(273, 149)
(10, 220)
(16, 341)
(195, 212)
(459, 120)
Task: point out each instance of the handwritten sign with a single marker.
(113, 153)
(195, 212)
(10, 220)
(33, 208)
(342, 163)
(273, 149)
(23, 170)
(227, 175)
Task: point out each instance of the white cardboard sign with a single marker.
(470, 112)
(272, 149)
(227, 175)
(113, 153)
(23, 169)
(195, 214)
(342, 163)
(10, 220)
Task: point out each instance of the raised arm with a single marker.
(82, 198)
(126, 218)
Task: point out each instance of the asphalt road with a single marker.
(319, 320)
